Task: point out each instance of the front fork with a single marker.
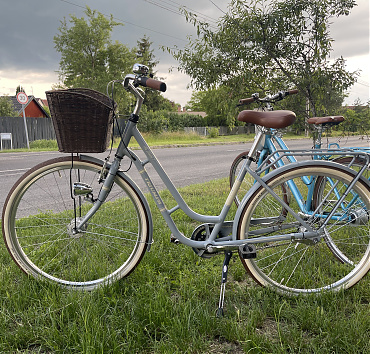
(104, 191)
(109, 178)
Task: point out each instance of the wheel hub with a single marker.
(359, 217)
(73, 226)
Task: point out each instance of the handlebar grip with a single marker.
(246, 100)
(293, 92)
(154, 84)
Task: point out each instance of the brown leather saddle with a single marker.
(332, 120)
(269, 119)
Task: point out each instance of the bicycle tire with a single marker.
(302, 267)
(39, 215)
(354, 207)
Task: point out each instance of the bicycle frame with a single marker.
(218, 222)
(270, 149)
(270, 152)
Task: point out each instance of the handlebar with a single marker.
(144, 81)
(278, 97)
(132, 81)
(154, 84)
(246, 100)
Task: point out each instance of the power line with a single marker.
(363, 83)
(206, 17)
(171, 8)
(218, 7)
(128, 22)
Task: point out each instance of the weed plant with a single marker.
(168, 305)
(181, 138)
(44, 145)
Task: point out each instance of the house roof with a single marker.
(18, 107)
(43, 102)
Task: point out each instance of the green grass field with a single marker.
(165, 139)
(168, 305)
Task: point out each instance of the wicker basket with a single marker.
(82, 119)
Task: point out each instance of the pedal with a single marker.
(248, 251)
(174, 240)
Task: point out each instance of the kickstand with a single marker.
(225, 268)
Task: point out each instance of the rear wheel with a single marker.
(356, 164)
(40, 217)
(295, 266)
(353, 206)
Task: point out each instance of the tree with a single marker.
(145, 54)
(7, 108)
(89, 58)
(271, 45)
(19, 89)
(218, 103)
(357, 118)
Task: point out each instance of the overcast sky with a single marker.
(28, 57)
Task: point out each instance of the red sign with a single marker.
(22, 98)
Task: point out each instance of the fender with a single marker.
(137, 190)
(291, 166)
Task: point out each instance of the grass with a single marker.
(165, 139)
(181, 138)
(168, 305)
(172, 139)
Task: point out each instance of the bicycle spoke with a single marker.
(326, 262)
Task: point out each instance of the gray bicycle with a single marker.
(83, 223)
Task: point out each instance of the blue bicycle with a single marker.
(274, 148)
(309, 193)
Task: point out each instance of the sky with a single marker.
(28, 57)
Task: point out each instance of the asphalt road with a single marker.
(185, 166)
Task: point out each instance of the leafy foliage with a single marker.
(219, 104)
(261, 45)
(7, 108)
(163, 120)
(19, 89)
(89, 58)
(357, 118)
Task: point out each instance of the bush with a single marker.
(180, 121)
(154, 122)
(44, 144)
(213, 132)
(159, 121)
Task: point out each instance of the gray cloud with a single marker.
(26, 35)
(351, 33)
(27, 28)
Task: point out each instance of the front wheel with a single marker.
(294, 266)
(40, 217)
